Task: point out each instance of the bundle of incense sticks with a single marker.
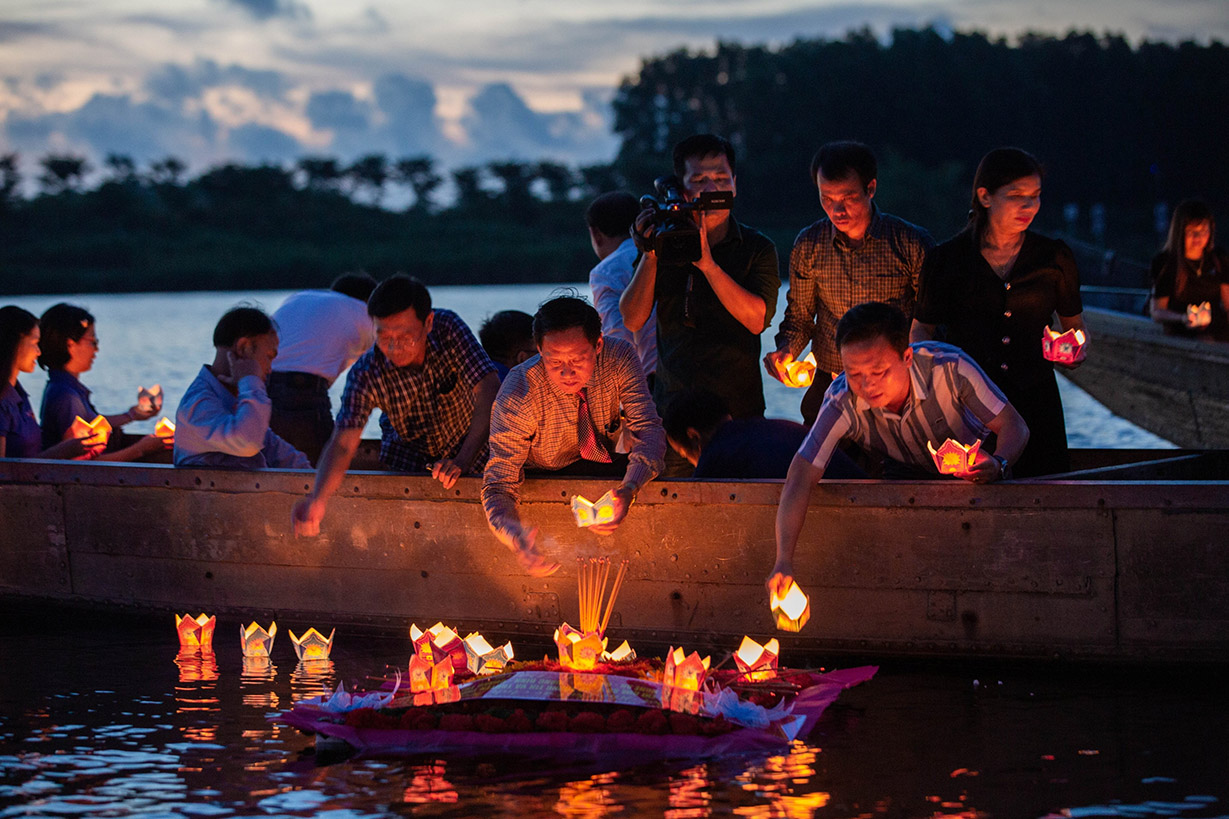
(591, 576)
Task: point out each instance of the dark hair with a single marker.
(59, 324)
(701, 145)
(871, 320)
(693, 408)
(1188, 212)
(241, 322)
(1000, 167)
(15, 324)
(837, 160)
(612, 214)
(355, 285)
(563, 313)
(397, 293)
(506, 333)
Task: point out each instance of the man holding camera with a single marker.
(710, 310)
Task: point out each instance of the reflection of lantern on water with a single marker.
(194, 693)
(256, 641)
(439, 642)
(690, 792)
(1199, 315)
(757, 662)
(588, 798)
(150, 400)
(481, 658)
(792, 610)
(590, 513)
(584, 687)
(799, 372)
(953, 457)
(427, 784)
(164, 429)
(1063, 348)
(312, 645)
(254, 680)
(312, 678)
(195, 631)
(798, 769)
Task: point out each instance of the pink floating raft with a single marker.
(545, 713)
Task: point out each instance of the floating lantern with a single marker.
(481, 658)
(255, 641)
(1199, 315)
(757, 662)
(165, 429)
(589, 513)
(312, 645)
(792, 610)
(1063, 348)
(953, 457)
(685, 671)
(195, 631)
(800, 372)
(439, 642)
(578, 650)
(96, 433)
(149, 400)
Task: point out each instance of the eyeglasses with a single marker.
(398, 342)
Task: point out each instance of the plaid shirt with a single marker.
(827, 276)
(534, 424)
(426, 410)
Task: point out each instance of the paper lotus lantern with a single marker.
(439, 642)
(589, 513)
(1063, 348)
(481, 658)
(428, 676)
(686, 671)
(149, 400)
(96, 433)
(312, 645)
(256, 641)
(800, 372)
(165, 428)
(757, 662)
(578, 650)
(195, 631)
(792, 610)
(953, 457)
(1199, 315)
(623, 654)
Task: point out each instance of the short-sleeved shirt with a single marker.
(321, 332)
(828, 275)
(1198, 283)
(18, 426)
(950, 397)
(64, 400)
(699, 343)
(1000, 322)
(426, 410)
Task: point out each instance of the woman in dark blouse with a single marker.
(1190, 271)
(20, 436)
(994, 288)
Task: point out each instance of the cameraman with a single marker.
(710, 312)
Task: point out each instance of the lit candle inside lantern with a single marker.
(149, 400)
(1063, 348)
(428, 676)
(439, 642)
(312, 645)
(757, 662)
(195, 631)
(623, 654)
(578, 650)
(96, 433)
(953, 457)
(792, 610)
(799, 372)
(1199, 315)
(165, 428)
(686, 671)
(589, 513)
(481, 658)
(256, 641)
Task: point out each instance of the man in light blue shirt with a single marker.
(610, 217)
(223, 418)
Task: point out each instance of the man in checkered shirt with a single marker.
(559, 412)
(855, 254)
(434, 384)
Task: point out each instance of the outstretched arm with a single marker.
(334, 461)
(791, 515)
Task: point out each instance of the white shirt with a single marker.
(321, 332)
(608, 280)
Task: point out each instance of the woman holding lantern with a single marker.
(993, 290)
(69, 343)
(20, 436)
(1190, 276)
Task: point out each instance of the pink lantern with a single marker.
(1062, 348)
(953, 457)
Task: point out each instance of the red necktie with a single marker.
(590, 449)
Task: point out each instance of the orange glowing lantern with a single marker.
(439, 642)
(428, 676)
(589, 513)
(165, 429)
(685, 671)
(623, 654)
(312, 645)
(757, 662)
(792, 610)
(481, 658)
(256, 641)
(1063, 348)
(799, 372)
(96, 433)
(195, 631)
(953, 457)
(1199, 315)
(149, 400)
(578, 650)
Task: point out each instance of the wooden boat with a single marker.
(1124, 560)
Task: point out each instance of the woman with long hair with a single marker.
(20, 436)
(1191, 271)
(993, 290)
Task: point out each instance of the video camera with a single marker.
(675, 237)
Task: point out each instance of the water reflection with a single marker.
(780, 782)
(588, 798)
(256, 682)
(196, 694)
(427, 784)
(690, 794)
(312, 678)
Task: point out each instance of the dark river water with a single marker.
(101, 716)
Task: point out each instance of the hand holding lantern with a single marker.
(953, 457)
(149, 401)
(792, 609)
(93, 434)
(1065, 348)
(1199, 315)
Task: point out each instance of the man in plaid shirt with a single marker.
(559, 412)
(854, 255)
(434, 384)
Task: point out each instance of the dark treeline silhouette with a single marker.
(1120, 129)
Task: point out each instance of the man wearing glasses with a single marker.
(433, 383)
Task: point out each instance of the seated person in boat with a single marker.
(223, 418)
(1189, 273)
(68, 344)
(893, 399)
(433, 383)
(20, 436)
(507, 338)
(560, 413)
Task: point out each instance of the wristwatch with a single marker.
(1004, 467)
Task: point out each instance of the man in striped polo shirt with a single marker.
(892, 399)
